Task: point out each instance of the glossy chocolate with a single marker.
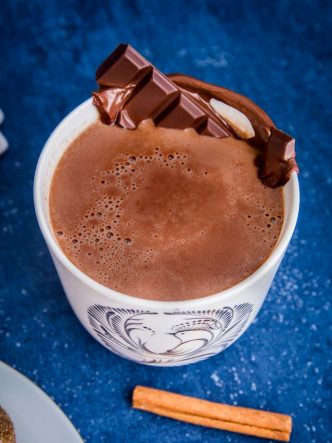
(132, 90)
(277, 161)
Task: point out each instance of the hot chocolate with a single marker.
(161, 213)
(176, 192)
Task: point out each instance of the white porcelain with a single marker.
(3, 141)
(36, 418)
(154, 332)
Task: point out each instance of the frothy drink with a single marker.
(176, 192)
(163, 214)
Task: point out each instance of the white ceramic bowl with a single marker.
(154, 332)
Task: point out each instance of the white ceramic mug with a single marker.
(154, 332)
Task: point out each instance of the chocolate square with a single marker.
(185, 114)
(152, 98)
(122, 68)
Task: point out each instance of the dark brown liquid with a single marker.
(163, 214)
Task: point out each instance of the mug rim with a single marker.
(122, 298)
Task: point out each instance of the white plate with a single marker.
(37, 419)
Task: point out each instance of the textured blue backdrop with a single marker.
(276, 52)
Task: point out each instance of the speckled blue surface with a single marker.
(276, 52)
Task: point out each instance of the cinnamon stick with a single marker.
(192, 410)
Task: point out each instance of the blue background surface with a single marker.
(276, 52)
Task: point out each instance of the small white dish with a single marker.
(36, 418)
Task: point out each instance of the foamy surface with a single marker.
(163, 214)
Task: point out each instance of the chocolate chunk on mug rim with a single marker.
(153, 95)
(124, 59)
(277, 161)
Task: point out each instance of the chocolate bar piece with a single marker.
(132, 90)
(277, 162)
(122, 67)
(281, 146)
